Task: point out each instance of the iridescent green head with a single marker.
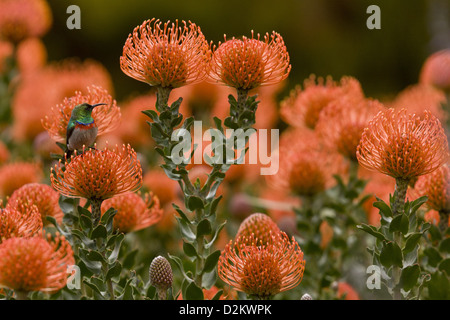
(83, 112)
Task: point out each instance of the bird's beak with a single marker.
(98, 104)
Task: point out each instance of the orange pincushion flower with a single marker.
(305, 167)
(4, 153)
(343, 121)
(20, 19)
(303, 107)
(161, 185)
(31, 55)
(107, 117)
(64, 78)
(264, 270)
(133, 212)
(402, 145)
(99, 174)
(19, 222)
(347, 292)
(436, 186)
(260, 225)
(248, 63)
(40, 195)
(420, 97)
(15, 175)
(436, 70)
(35, 264)
(166, 55)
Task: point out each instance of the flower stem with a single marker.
(401, 187)
(21, 295)
(96, 205)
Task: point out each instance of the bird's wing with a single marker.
(70, 128)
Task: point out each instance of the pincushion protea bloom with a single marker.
(262, 270)
(35, 264)
(436, 70)
(166, 55)
(42, 196)
(305, 166)
(302, 107)
(133, 212)
(260, 225)
(16, 174)
(98, 175)
(248, 63)
(342, 122)
(436, 186)
(19, 222)
(20, 19)
(106, 117)
(403, 145)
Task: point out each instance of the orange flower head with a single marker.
(436, 186)
(342, 122)
(99, 174)
(35, 264)
(436, 70)
(248, 63)
(166, 55)
(302, 107)
(420, 97)
(106, 117)
(31, 55)
(20, 19)
(265, 270)
(161, 185)
(347, 292)
(260, 225)
(20, 222)
(14, 175)
(133, 212)
(64, 78)
(403, 145)
(42, 196)
(305, 167)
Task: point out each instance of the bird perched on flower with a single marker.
(81, 129)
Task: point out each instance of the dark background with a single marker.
(324, 37)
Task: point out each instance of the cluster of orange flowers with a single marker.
(332, 127)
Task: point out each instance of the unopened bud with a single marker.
(306, 297)
(161, 276)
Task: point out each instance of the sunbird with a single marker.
(81, 129)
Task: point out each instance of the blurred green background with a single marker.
(324, 37)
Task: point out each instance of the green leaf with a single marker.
(416, 204)
(434, 257)
(204, 228)
(444, 246)
(117, 243)
(99, 232)
(391, 255)
(372, 230)
(385, 210)
(211, 261)
(94, 256)
(186, 231)
(216, 233)
(435, 233)
(114, 271)
(151, 114)
(444, 265)
(179, 264)
(411, 241)
(195, 203)
(193, 292)
(189, 249)
(181, 213)
(439, 286)
(409, 277)
(400, 223)
(217, 295)
(86, 222)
